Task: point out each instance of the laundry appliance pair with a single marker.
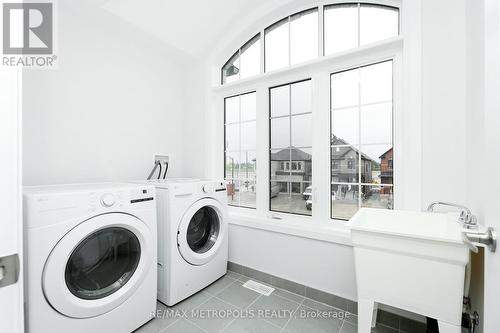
(98, 255)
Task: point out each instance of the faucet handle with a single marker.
(468, 220)
(464, 216)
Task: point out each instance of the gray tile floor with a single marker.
(227, 306)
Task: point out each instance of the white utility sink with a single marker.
(409, 260)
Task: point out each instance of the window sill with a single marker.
(338, 233)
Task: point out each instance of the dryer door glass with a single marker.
(102, 263)
(203, 230)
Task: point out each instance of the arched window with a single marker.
(347, 26)
(340, 96)
(296, 39)
(244, 63)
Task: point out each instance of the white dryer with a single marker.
(90, 257)
(192, 236)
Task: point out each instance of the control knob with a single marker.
(108, 200)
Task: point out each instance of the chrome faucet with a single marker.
(466, 218)
(469, 221)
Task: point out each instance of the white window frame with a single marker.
(360, 164)
(407, 175)
(239, 123)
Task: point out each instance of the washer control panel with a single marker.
(60, 203)
(141, 195)
(108, 199)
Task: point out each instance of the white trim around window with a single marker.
(319, 72)
(407, 126)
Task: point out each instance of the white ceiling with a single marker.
(192, 26)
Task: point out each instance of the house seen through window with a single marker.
(291, 141)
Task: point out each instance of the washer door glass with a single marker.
(203, 230)
(102, 263)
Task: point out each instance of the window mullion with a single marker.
(359, 24)
(321, 31)
(359, 133)
(262, 52)
(290, 137)
(289, 41)
(321, 163)
(262, 151)
(239, 147)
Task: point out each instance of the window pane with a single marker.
(232, 137)
(291, 166)
(345, 162)
(301, 97)
(341, 28)
(247, 193)
(280, 132)
(344, 200)
(345, 89)
(377, 196)
(371, 119)
(233, 193)
(345, 126)
(376, 123)
(289, 199)
(377, 160)
(280, 101)
(304, 36)
(232, 109)
(277, 45)
(248, 165)
(289, 181)
(248, 106)
(303, 157)
(377, 23)
(231, 70)
(386, 167)
(307, 195)
(302, 130)
(250, 58)
(376, 83)
(232, 165)
(280, 164)
(240, 158)
(248, 136)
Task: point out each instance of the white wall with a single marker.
(318, 264)
(114, 101)
(197, 126)
(444, 101)
(476, 175)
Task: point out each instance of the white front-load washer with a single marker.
(90, 257)
(192, 236)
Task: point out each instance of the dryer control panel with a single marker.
(212, 187)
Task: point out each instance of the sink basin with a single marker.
(419, 225)
(410, 260)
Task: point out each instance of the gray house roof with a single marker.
(296, 155)
(383, 155)
(338, 141)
